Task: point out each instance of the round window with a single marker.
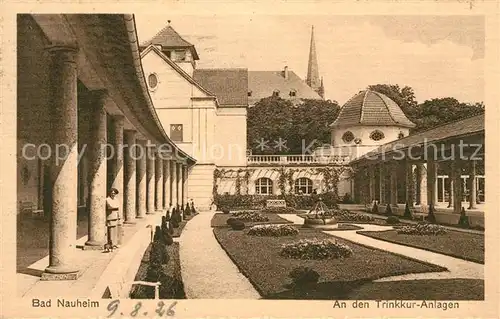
(348, 137)
(152, 81)
(377, 135)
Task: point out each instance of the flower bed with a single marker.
(315, 249)
(423, 229)
(279, 210)
(274, 230)
(345, 215)
(247, 216)
(220, 220)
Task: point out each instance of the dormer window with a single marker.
(293, 93)
(180, 55)
(276, 93)
(249, 93)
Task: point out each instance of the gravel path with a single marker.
(458, 268)
(207, 271)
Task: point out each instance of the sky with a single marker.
(438, 56)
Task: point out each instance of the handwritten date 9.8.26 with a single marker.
(161, 309)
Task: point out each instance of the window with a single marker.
(377, 135)
(348, 137)
(249, 93)
(152, 81)
(276, 93)
(180, 55)
(401, 135)
(303, 185)
(264, 186)
(176, 132)
(293, 93)
(168, 54)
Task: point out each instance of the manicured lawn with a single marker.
(259, 259)
(219, 220)
(172, 269)
(430, 289)
(456, 244)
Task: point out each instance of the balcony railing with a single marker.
(298, 159)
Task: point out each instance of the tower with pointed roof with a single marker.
(313, 79)
(175, 48)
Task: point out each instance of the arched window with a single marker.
(303, 185)
(152, 81)
(348, 137)
(276, 93)
(376, 135)
(264, 186)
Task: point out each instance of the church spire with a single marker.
(313, 79)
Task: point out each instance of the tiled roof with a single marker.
(371, 108)
(263, 83)
(169, 38)
(459, 128)
(229, 85)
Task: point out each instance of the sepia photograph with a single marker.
(173, 156)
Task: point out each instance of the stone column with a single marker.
(381, 181)
(418, 176)
(166, 184)
(141, 154)
(451, 192)
(179, 183)
(431, 182)
(129, 192)
(97, 173)
(371, 172)
(472, 184)
(159, 183)
(65, 174)
(118, 170)
(394, 185)
(457, 189)
(409, 183)
(422, 182)
(184, 184)
(173, 178)
(150, 176)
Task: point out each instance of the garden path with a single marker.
(457, 268)
(207, 271)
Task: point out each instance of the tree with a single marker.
(274, 118)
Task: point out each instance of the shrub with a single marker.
(345, 215)
(187, 210)
(315, 249)
(230, 220)
(259, 201)
(303, 276)
(375, 208)
(279, 210)
(388, 210)
(423, 229)
(247, 216)
(464, 219)
(237, 225)
(431, 217)
(167, 216)
(347, 199)
(158, 254)
(274, 230)
(392, 220)
(225, 211)
(407, 213)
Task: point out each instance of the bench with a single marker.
(275, 203)
(28, 208)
